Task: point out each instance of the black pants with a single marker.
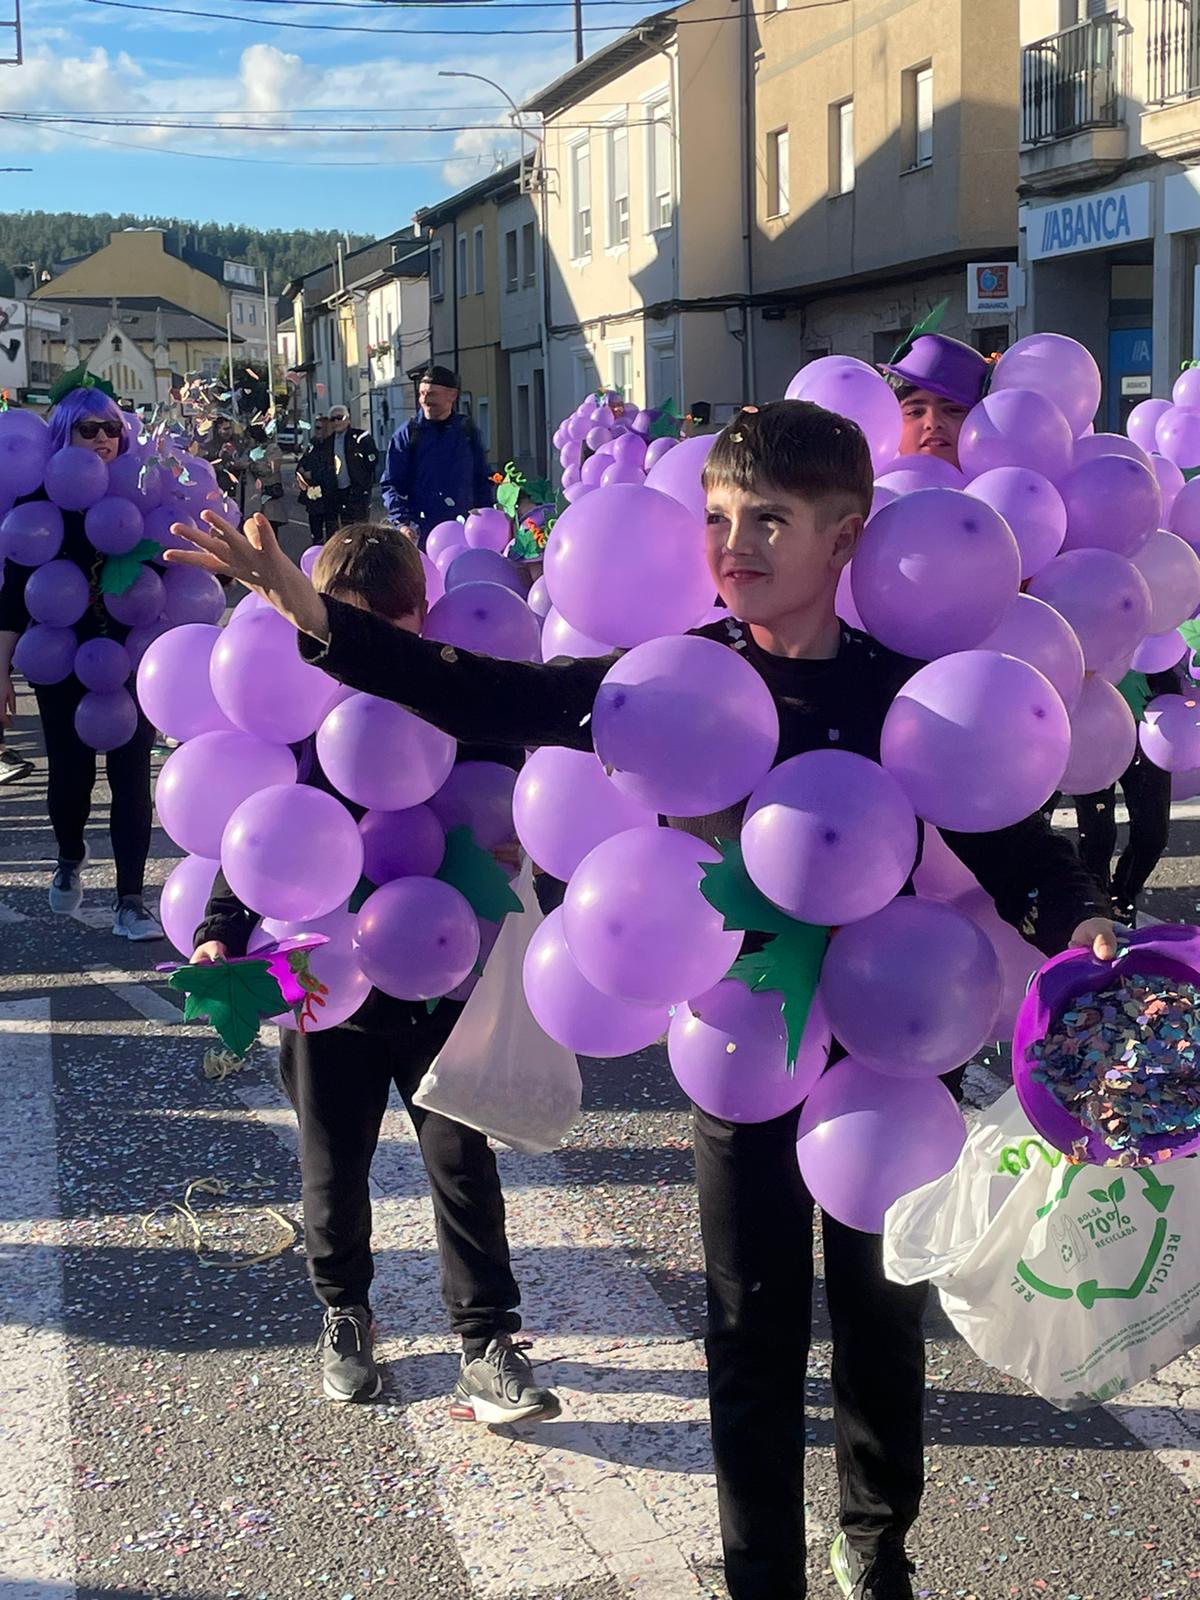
(1147, 791)
(353, 504)
(338, 1082)
(71, 777)
(321, 522)
(756, 1219)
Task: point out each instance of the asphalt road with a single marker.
(162, 1431)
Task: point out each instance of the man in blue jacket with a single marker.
(436, 468)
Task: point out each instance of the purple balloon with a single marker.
(345, 985)
(564, 806)
(538, 599)
(1035, 632)
(114, 525)
(655, 451)
(1103, 597)
(202, 784)
(32, 533)
(598, 436)
(829, 837)
(76, 478)
(685, 726)
(1184, 519)
(1112, 504)
(139, 640)
(102, 665)
(417, 938)
(401, 844)
(1033, 509)
(57, 593)
(1103, 738)
(934, 573)
(106, 721)
(1186, 389)
(290, 851)
(1094, 445)
(977, 741)
(559, 639)
(435, 586)
(1171, 569)
(24, 451)
(1016, 428)
(867, 399)
(1170, 483)
(136, 481)
(728, 1050)
(631, 448)
(571, 476)
(815, 371)
(184, 900)
(865, 1139)
(1143, 420)
(310, 557)
(262, 685)
(571, 453)
(45, 655)
(637, 924)
(381, 756)
(173, 686)
(141, 603)
(594, 468)
(446, 557)
(577, 491)
(622, 472)
(482, 565)
(444, 536)
(488, 529)
(1159, 652)
(1060, 369)
(572, 1012)
(158, 524)
(907, 474)
(1178, 437)
(677, 474)
(488, 619)
(912, 991)
(478, 795)
(1169, 732)
(660, 585)
(192, 596)
(843, 601)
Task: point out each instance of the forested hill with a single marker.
(42, 237)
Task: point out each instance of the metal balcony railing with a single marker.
(1172, 51)
(1071, 81)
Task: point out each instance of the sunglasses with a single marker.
(90, 430)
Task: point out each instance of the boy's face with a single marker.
(772, 554)
(930, 426)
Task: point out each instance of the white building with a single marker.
(522, 300)
(26, 358)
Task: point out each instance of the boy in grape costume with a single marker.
(339, 1078)
(788, 488)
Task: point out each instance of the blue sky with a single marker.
(89, 59)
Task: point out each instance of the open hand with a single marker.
(1097, 934)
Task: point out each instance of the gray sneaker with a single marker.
(134, 922)
(886, 1575)
(66, 888)
(12, 766)
(499, 1386)
(348, 1370)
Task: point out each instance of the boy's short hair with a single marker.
(798, 447)
(375, 564)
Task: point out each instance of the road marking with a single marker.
(37, 1535)
(139, 997)
(7, 914)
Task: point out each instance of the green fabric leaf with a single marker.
(431, 1006)
(539, 491)
(728, 889)
(477, 877)
(1189, 632)
(362, 891)
(1134, 689)
(928, 324)
(234, 996)
(666, 424)
(507, 496)
(120, 573)
(789, 966)
(79, 378)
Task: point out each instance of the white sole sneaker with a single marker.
(485, 1411)
(345, 1399)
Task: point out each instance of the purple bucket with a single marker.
(1168, 951)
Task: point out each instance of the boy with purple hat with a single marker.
(937, 381)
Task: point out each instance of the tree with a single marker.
(250, 392)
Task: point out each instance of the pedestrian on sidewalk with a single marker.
(263, 461)
(436, 465)
(789, 488)
(316, 480)
(338, 1080)
(356, 455)
(89, 419)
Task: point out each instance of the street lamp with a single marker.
(504, 95)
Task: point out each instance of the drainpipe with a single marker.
(749, 186)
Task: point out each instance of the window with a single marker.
(660, 182)
(478, 260)
(436, 285)
(617, 162)
(461, 286)
(992, 341)
(529, 252)
(916, 114)
(523, 419)
(512, 265)
(483, 421)
(841, 148)
(622, 370)
(252, 315)
(778, 202)
(885, 343)
(587, 379)
(241, 311)
(660, 385)
(581, 201)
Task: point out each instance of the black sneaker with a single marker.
(885, 1575)
(348, 1370)
(498, 1386)
(12, 766)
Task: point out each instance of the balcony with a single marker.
(1171, 120)
(1072, 112)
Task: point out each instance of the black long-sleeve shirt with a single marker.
(1034, 876)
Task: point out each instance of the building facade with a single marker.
(142, 350)
(28, 364)
(1110, 214)
(522, 326)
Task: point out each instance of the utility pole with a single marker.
(578, 30)
(10, 51)
(270, 346)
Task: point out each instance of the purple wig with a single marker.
(83, 405)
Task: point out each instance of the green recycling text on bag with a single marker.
(1079, 1280)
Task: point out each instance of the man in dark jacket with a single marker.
(355, 455)
(316, 479)
(436, 468)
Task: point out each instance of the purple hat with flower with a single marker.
(943, 366)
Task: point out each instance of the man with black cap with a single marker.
(436, 468)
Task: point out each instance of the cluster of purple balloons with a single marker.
(124, 503)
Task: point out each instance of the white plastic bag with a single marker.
(1080, 1281)
(498, 1071)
